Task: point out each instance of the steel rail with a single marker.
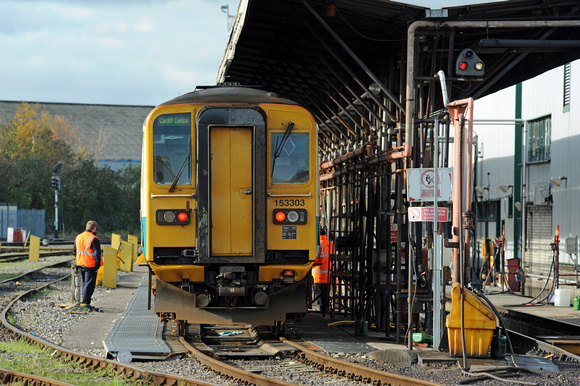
(9, 377)
(541, 346)
(130, 372)
(9, 257)
(36, 270)
(231, 371)
(354, 370)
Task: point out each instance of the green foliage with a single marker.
(111, 198)
(27, 358)
(32, 143)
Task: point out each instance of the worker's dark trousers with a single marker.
(89, 276)
(321, 293)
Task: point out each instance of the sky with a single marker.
(122, 52)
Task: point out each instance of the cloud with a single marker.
(130, 52)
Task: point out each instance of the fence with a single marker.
(33, 220)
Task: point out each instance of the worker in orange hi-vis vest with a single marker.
(321, 272)
(87, 249)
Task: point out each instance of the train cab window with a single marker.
(290, 162)
(172, 148)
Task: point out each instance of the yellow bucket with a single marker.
(479, 322)
(100, 275)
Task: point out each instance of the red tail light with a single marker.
(172, 217)
(290, 216)
(280, 216)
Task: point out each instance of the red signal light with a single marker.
(182, 216)
(463, 65)
(280, 216)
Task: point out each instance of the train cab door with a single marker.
(231, 194)
(231, 186)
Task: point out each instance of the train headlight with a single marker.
(293, 216)
(290, 216)
(169, 216)
(172, 217)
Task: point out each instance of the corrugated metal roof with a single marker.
(115, 130)
(285, 46)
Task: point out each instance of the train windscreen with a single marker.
(290, 163)
(172, 149)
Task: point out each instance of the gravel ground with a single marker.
(22, 266)
(45, 318)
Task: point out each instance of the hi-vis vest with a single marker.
(85, 254)
(321, 273)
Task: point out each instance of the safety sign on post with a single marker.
(422, 185)
(427, 214)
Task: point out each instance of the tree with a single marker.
(32, 143)
(29, 145)
(37, 132)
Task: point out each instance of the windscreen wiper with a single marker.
(178, 175)
(280, 145)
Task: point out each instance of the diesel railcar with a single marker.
(229, 206)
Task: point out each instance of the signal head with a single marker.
(469, 64)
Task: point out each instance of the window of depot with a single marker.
(567, 86)
(539, 139)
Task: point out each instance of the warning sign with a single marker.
(427, 214)
(423, 185)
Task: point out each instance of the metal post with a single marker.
(55, 214)
(436, 246)
(76, 285)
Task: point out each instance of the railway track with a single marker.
(132, 373)
(301, 362)
(215, 349)
(535, 335)
(8, 377)
(313, 365)
(18, 256)
(231, 373)
(41, 274)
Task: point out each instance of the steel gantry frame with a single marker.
(376, 105)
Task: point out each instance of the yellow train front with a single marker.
(229, 206)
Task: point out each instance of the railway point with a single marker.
(108, 329)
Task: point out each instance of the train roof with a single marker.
(229, 94)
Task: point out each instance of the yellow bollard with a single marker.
(116, 243)
(109, 267)
(135, 241)
(34, 251)
(126, 256)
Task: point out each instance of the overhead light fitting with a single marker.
(558, 181)
(505, 188)
(375, 88)
(481, 189)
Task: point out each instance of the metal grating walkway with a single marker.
(138, 331)
(332, 340)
